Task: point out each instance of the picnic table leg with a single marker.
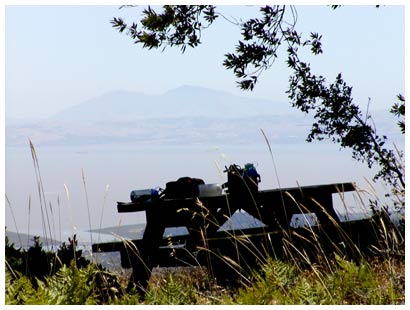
(143, 263)
(141, 272)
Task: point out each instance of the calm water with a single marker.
(112, 171)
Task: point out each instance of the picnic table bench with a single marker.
(204, 216)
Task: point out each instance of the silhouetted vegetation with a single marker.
(334, 280)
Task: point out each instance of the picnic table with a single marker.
(204, 216)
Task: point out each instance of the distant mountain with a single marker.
(124, 231)
(185, 115)
(185, 101)
(20, 240)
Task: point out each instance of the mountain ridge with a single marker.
(183, 101)
(180, 116)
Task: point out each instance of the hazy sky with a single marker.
(59, 56)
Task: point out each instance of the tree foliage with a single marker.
(337, 116)
(178, 25)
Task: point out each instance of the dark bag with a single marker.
(241, 182)
(185, 187)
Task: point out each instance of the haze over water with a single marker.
(112, 171)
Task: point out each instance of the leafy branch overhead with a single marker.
(337, 116)
(398, 110)
(175, 26)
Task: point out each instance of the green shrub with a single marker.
(69, 286)
(346, 283)
(172, 292)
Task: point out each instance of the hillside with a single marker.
(185, 101)
(20, 240)
(185, 115)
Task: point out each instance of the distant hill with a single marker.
(185, 101)
(21, 240)
(185, 115)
